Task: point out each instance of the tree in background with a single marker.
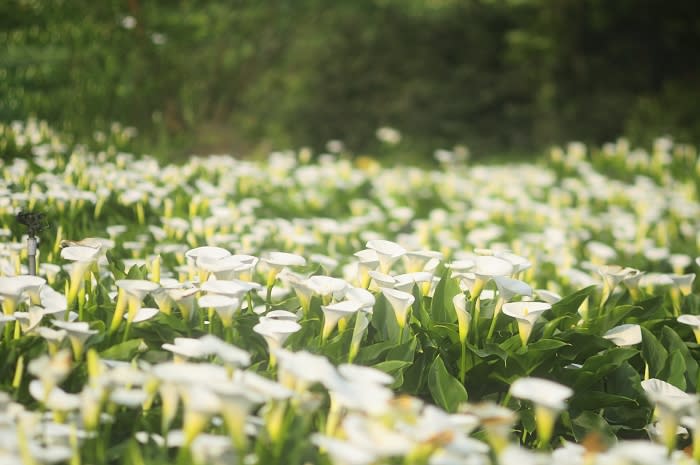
(497, 75)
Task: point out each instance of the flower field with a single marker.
(315, 309)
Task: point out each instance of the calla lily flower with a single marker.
(519, 263)
(210, 252)
(612, 275)
(526, 314)
(276, 261)
(275, 332)
(343, 452)
(381, 280)
(363, 296)
(136, 290)
(78, 333)
(549, 398)
(83, 259)
(625, 335)
(185, 347)
(144, 314)
(683, 282)
(421, 260)
(11, 290)
(327, 287)
(400, 302)
(463, 316)
(200, 404)
(367, 261)
(486, 267)
(671, 405)
(334, 312)
(387, 253)
(358, 332)
(225, 307)
(226, 267)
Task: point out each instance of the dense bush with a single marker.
(498, 75)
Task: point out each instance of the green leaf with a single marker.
(491, 349)
(441, 308)
(676, 370)
(384, 320)
(599, 365)
(404, 351)
(446, 390)
(124, 351)
(592, 423)
(651, 308)
(654, 354)
(394, 368)
(572, 302)
(593, 400)
(673, 341)
(391, 366)
(545, 345)
(447, 332)
(417, 374)
(370, 354)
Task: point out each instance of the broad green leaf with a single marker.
(673, 341)
(446, 390)
(654, 354)
(599, 365)
(394, 368)
(590, 423)
(560, 323)
(594, 400)
(610, 318)
(572, 302)
(124, 351)
(676, 370)
(416, 376)
(404, 351)
(491, 349)
(441, 308)
(445, 332)
(372, 353)
(651, 308)
(545, 345)
(384, 320)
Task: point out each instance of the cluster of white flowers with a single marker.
(519, 236)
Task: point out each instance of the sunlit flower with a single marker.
(549, 399)
(225, 307)
(277, 261)
(78, 333)
(526, 314)
(671, 405)
(463, 316)
(400, 302)
(487, 267)
(625, 335)
(136, 290)
(83, 259)
(336, 311)
(275, 333)
(387, 252)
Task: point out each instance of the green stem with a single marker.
(268, 297)
(493, 326)
(126, 331)
(463, 362)
(476, 310)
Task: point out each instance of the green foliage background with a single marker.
(501, 76)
